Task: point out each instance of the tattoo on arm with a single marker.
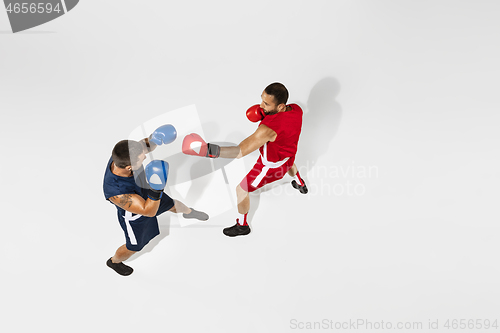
(124, 201)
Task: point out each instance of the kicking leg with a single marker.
(188, 213)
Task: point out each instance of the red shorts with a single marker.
(261, 175)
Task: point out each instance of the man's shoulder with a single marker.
(295, 107)
(112, 184)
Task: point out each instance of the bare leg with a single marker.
(241, 228)
(122, 254)
(293, 170)
(179, 207)
(243, 200)
(297, 182)
(187, 212)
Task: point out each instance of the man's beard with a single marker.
(270, 113)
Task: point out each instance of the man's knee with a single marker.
(173, 210)
(240, 192)
(124, 251)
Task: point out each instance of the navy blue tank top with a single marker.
(116, 185)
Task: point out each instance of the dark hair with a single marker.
(125, 152)
(279, 91)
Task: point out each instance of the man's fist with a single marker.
(193, 144)
(163, 135)
(255, 113)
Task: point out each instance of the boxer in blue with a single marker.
(138, 195)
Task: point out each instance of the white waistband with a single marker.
(268, 164)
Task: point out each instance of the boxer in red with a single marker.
(276, 138)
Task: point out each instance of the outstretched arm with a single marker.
(262, 135)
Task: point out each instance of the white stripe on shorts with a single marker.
(128, 217)
(261, 176)
(267, 165)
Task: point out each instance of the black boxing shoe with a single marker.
(302, 189)
(237, 230)
(120, 268)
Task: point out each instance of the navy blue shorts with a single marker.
(139, 230)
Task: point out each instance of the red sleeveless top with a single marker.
(287, 125)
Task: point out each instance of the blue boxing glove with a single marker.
(163, 135)
(156, 175)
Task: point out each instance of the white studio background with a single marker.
(400, 149)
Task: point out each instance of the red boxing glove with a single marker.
(193, 144)
(255, 113)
